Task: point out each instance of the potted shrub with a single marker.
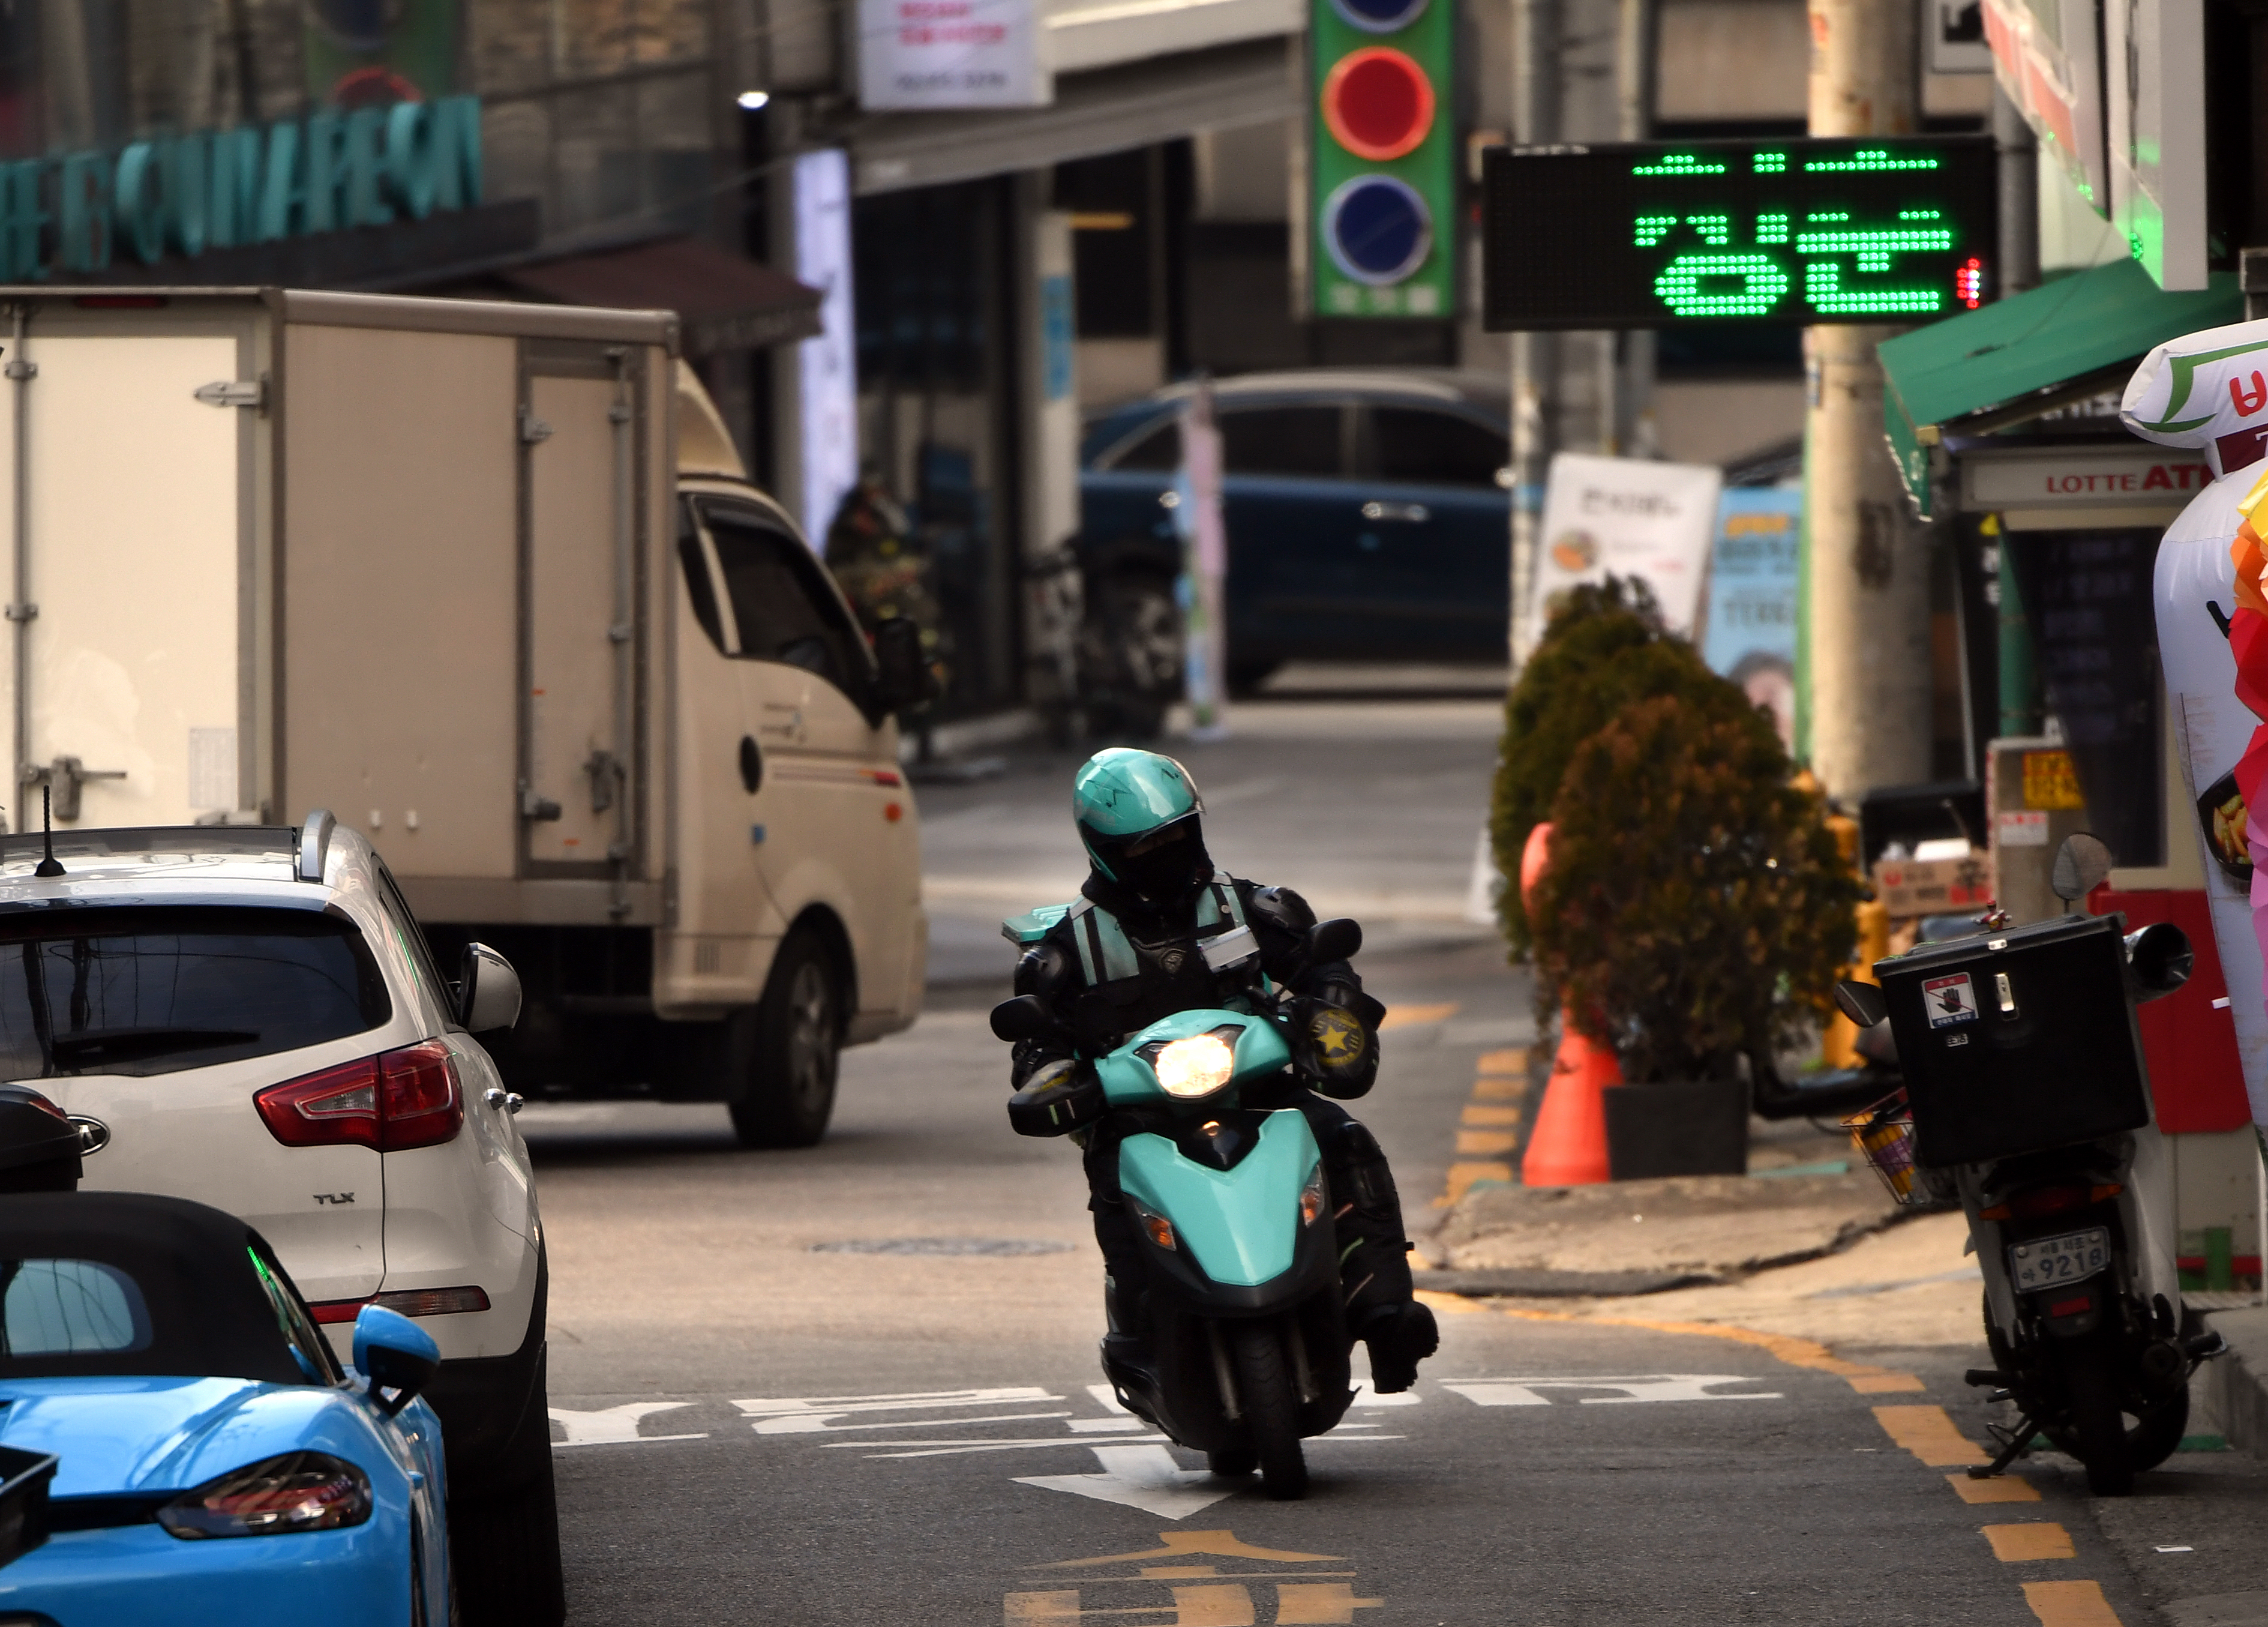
(1694, 915)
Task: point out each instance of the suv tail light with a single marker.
(389, 1103)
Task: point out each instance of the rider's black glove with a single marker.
(1335, 1048)
(1058, 1097)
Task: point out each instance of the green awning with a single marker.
(2032, 342)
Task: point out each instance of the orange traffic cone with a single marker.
(1568, 1147)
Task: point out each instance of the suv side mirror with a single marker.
(488, 991)
(905, 678)
(1337, 939)
(393, 1353)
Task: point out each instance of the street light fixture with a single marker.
(752, 100)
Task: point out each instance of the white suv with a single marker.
(251, 1017)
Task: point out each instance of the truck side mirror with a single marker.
(1861, 1002)
(487, 995)
(905, 678)
(2082, 865)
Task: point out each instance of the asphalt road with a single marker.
(776, 1404)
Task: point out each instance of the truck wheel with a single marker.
(504, 1546)
(785, 1093)
(1271, 1409)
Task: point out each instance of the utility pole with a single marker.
(1538, 29)
(1864, 636)
(1637, 56)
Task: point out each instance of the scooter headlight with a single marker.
(1311, 1197)
(1195, 1067)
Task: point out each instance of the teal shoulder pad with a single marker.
(1032, 927)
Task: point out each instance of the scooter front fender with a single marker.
(1240, 1243)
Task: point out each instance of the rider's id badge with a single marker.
(1949, 999)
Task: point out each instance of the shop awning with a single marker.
(727, 302)
(2021, 350)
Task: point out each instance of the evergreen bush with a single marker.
(1694, 909)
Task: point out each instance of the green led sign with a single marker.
(1654, 234)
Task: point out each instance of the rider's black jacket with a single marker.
(1173, 976)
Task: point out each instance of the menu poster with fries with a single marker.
(1629, 517)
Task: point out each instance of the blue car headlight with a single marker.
(296, 1492)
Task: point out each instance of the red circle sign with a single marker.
(1377, 103)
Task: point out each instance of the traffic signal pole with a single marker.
(1866, 709)
(1538, 29)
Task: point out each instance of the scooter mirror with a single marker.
(2082, 865)
(1024, 1017)
(2159, 959)
(1337, 939)
(1861, 1002)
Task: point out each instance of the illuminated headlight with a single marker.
(1195, 1067)
(297, 1491)
(1311, 1197)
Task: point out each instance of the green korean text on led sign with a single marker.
(1655, 234)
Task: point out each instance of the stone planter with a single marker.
(1688, 1127)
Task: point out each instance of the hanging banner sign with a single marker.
(923, 54)
(1748, 634)
(1629, 517)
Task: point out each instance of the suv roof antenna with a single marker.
(48, 866)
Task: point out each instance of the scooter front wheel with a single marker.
(1270, 1405)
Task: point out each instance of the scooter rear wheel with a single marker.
(1270, 1405)
(2098, 1426)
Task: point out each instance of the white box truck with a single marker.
(488, 582)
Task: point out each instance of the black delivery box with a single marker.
(2017, 1041)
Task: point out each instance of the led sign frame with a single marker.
(1805, 230)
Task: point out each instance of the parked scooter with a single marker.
(2027, 1099)
(1245, 1349)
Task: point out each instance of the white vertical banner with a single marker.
(1204, 567)
(827, 368)
(1629, 517)
(2153, 57)
(917, 54)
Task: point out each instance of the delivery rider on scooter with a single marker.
(1130, 953)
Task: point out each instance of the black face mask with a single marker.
(1161, 865)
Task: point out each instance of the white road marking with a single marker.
(611, 1425)
(1105, 1426)
(1652, 1387)
(805, 1414)
(1365, 1397)
(1106, 1398)
(956, 1448)
(1145, 1477)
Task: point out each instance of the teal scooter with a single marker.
(1245, 1348)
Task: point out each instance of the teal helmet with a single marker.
(1137, 813)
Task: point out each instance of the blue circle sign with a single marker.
(1377, 230)
(1379, 15)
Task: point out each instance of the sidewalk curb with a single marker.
(2238, 1381)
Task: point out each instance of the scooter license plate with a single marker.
(2051, 1261)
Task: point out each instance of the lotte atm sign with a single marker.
(1382, 168)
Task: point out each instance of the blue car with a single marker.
(1368, 519)
(216, 1464)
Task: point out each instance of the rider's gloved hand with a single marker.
(1337, 1050)
(1055, 1098)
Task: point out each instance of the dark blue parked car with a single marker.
(1367, 520)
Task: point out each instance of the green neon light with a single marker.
(1823, 292)
(1680, 164)
(1769, 164)
(1763, 283)
(1771, 229)
(1716, 230)
(1870, 159)
(1920, 214)
(1652, 228)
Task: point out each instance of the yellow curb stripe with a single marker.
(2034, 1539)
(1409, 1017)
(1887, 1383)
(1462, 1177)
(1478, 1141)
(1452, 1305)
(1488, 1090)
(1929, 1434)
(2070, 1604)
(1782, 1347)
(1512, 1061)
(1476, 1115)
(1999, 1488)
